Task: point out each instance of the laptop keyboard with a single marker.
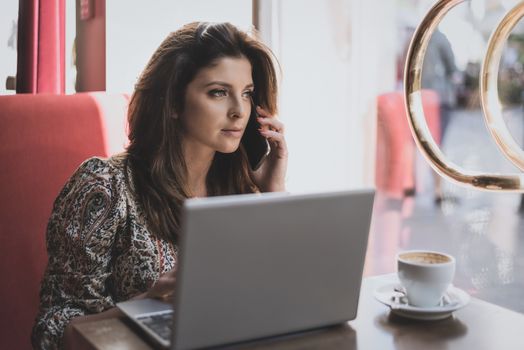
(161, 324)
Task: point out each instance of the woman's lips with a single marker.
(232, 132)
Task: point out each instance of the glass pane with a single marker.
(8, 35)
(70, 34)
(134, 30)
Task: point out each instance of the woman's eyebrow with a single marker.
(222, 83)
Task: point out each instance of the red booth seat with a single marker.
(44, 139)
(395, 167)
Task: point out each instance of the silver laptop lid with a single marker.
(253, 266)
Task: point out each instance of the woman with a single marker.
(112, 235)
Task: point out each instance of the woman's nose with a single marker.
(239, 108)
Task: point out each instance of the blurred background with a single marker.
(337, 58)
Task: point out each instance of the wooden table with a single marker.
(479, 325)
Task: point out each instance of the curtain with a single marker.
(41, 47)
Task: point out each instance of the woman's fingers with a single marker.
(262, 112)
(167, 281)
(163, 292)
(272, 122)
(277, 138)
(269, 122)
(164, 287)
(273, 129)
(171, 272)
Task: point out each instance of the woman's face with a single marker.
(218, 105)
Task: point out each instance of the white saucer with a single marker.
(453, 300)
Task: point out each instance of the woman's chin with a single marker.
(228, 148)
(228, 151)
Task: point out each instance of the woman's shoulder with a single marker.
(96, 174)
(109, 169)
(103, 166)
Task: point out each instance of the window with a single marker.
(8, 34)
(335, 61)
(135, 29)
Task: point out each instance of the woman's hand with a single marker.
(271, 176)
(164, 288)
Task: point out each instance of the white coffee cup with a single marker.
(425, 275)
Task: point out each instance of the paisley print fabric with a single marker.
(100, 250)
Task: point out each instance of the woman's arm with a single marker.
(162, 289)
(86, 217)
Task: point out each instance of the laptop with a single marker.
(261, 265)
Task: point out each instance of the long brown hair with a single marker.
(155, 150)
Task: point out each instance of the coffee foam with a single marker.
(425, 258)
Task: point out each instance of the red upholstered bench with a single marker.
(395, 170)
(43, 140)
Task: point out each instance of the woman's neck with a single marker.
(198, 164)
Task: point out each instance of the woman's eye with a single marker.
(218, 93)
(248, 93)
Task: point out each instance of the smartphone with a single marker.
(256, 146)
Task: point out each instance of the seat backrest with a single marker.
(395, 156)
(44, 139)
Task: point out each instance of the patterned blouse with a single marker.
(100, 250)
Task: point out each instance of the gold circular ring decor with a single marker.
(417, 119)
(489, 88)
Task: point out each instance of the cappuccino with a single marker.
(425, 275)
(425, 257)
